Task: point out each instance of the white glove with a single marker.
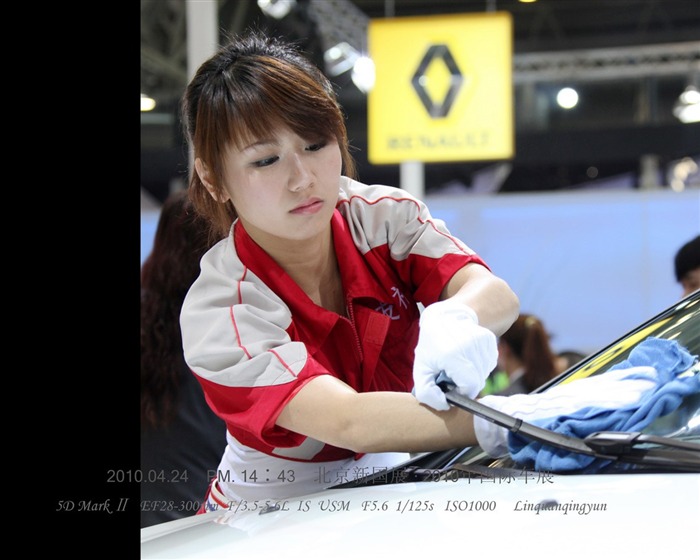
(451, 341)
(610, 391)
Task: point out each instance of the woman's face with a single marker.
(284, 187)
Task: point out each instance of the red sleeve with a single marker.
(250, 413)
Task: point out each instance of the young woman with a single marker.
(303, 326)
(181, 437)
(525, 354)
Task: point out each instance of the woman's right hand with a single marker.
(452, 343)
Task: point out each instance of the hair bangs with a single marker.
(270, 96)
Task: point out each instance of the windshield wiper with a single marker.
(627, 447)
(624, 442)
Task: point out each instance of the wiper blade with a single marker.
(667, 452)
(613, 446)
(623, 442)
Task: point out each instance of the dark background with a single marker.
(629, 59)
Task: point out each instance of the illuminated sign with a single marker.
(443, 89)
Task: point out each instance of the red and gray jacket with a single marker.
(253, 338)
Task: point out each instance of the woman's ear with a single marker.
(205, 176)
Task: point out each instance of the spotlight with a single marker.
(567, 98)
(147, 103)
(687, 108)
(276, 8)
(363, 74)
(340, 58)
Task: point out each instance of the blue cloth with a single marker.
(669, 359)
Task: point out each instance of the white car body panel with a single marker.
(628, 516)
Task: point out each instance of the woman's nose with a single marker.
(300, 176)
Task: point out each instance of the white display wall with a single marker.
(591, 264)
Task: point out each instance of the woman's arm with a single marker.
(458, 335)
(495, 304)
(328, 410)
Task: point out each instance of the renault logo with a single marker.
(437, 109)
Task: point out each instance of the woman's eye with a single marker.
(265, 162)
(316, 147)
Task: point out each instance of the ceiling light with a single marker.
(363, 74)
(340, 58)
(147, 103)
(567, 98)
(687, 108)
(680, 172)
(276, 8)
(343, 57)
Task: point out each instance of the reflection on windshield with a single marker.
(680, 323)
(684, 422)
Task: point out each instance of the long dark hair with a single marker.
(181, 238)
(529, 341)
(252, 85)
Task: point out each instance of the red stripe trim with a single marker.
(281, 361)
(415, 203)
(215, 489)
(233, 319)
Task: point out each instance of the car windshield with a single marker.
(679, 323)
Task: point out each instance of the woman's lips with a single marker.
(308, 207)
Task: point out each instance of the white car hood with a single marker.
(565, 516)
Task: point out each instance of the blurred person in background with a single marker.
(568, 358)
(181, 438)
(687, 266)
(525, 354)
(496, 382)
